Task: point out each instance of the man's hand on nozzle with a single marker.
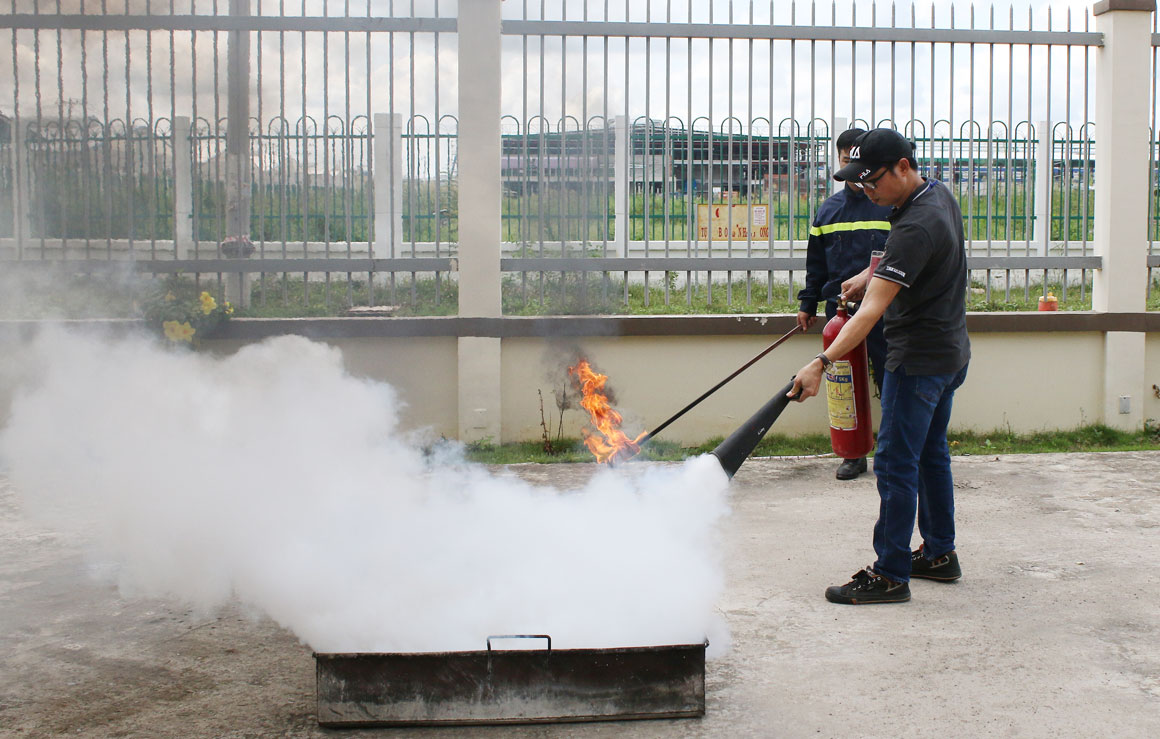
(854, 288)
(807, 381)
(805, 320)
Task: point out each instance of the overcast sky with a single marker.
(685, 80)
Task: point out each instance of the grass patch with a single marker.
(595, 295)
(533, 294)
(552, 294)
(570, 450)
(1026, 299)
(1092, 438)
(45, 296)
(282, 296)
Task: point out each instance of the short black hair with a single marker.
(846, 139)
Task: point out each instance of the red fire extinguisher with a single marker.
(848, 395)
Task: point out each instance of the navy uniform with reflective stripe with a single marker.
(847, 227)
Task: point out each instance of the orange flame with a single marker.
(610, 443)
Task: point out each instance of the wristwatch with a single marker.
(825, 360)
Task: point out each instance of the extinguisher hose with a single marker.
(644, 439)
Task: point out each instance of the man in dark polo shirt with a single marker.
(919, 289)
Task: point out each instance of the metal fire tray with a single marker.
(495, 686)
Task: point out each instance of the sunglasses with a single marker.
(872, 183)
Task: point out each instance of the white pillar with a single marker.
(388, 175)
(480, 215)
(238, 159)
(1123, 69)
(841, 125)
(620, 191)
(21, 188)
(182, 188)
(1041, 233)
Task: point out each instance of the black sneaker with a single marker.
(944, 569)
(851, 468)
(868, 587)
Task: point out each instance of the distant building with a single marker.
(663, 159)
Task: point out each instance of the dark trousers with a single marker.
(913, 467)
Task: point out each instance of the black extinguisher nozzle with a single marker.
(732, 452)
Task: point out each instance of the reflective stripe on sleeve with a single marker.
(850, 226)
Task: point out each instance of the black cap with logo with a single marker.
(880, 147)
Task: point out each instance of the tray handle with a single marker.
(520, 636)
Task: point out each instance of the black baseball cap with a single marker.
(880, 147)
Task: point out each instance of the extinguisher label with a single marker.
(840, 396)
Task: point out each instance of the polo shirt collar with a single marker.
(925, 187)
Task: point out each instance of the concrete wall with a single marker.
(1024, 380)
(421, 369)
(1029, 372)
(1032, 381)
(653, 377)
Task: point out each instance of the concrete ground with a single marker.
(1051, 632)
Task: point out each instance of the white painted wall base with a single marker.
(480, 389)
(1018, 381)
(1124, 357)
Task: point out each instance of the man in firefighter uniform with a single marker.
(848, 226)
(920, 288)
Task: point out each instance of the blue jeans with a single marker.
(913, 466)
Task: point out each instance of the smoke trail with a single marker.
(275, 477)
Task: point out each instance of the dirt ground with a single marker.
(1051, 632)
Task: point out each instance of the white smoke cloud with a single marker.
(274, 477)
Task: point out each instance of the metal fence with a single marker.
(332, 129)
(767, 85)
(277, 101)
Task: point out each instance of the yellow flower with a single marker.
(208, 304)
(170, 297)
(229, 309)
(175, 331)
